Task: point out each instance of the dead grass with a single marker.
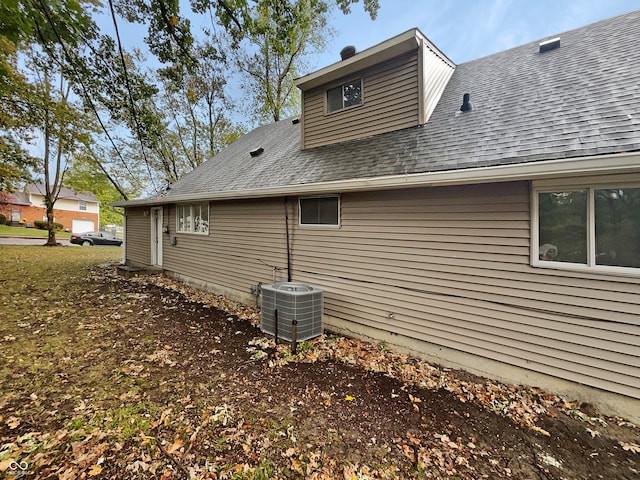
(111, 378)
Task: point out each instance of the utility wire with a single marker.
(45, 10)
(107, 65)
(131, 101)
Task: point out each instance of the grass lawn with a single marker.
(145, 378)
(28, 232)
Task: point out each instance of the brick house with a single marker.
(77, 212)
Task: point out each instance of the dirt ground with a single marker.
(147, 378)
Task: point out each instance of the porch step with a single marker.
(129, 271)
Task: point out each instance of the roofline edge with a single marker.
(602, 164)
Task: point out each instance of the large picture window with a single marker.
(320, 211)
(193, 218)
(591, 227)
(343, 96)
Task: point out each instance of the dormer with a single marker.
(390, 86)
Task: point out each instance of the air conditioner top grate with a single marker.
(291, 287)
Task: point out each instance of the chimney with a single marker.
(347, 52)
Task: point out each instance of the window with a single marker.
(193, 218)
(319, 211)
(82, 206)
(593, 227)
(344, 96)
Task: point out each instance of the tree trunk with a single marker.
(51, 237)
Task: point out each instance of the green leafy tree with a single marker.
(30, 26)
(197, 108)
(62, 128)
(283, 33)
(279, 33)
(85, 175)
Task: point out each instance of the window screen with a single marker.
(319, 211)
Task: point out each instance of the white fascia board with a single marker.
(600, 165)
(405, 42)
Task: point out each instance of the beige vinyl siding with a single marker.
(246, 240)
(452, 266)
(448, 265)
(138, 236)
(390, 102)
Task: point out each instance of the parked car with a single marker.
(88, 239)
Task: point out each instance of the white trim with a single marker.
(123, 261)
(391, 48)
(319, 225)
(191, 206)
(157, 220)
(573, 185)
(600, 165)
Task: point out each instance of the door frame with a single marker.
(156, 236)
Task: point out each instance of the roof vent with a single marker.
(347, 52)
(466, 103)
(295, 121)
(256, 152)
(549, 44)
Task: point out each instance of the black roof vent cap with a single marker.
(295, 121)
(550, 44)
(466, 103)
(347, 52)
(256, 152)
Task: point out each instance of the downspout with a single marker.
(286, 226)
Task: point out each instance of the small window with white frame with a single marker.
(82, 205)
(348, 94)
(193, 218)
(320, 211)
(588, 227)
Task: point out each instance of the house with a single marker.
(77, 212)
(485, 215)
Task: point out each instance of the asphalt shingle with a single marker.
(581, 99)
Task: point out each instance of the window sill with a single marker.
(325, 227)
(590, 269)
(179, 232)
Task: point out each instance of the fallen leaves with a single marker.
(630, 447)
(12, 422)
(128, 395)
(95, 470)
(593, 433)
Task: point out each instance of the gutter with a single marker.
(603, 164)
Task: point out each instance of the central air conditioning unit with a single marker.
(288, 301)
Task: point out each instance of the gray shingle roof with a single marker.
(67, 193)
(582, 99)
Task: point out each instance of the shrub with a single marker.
(43, 225)
(3, 219)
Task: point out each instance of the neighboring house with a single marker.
(77, 212)
(500, 235)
